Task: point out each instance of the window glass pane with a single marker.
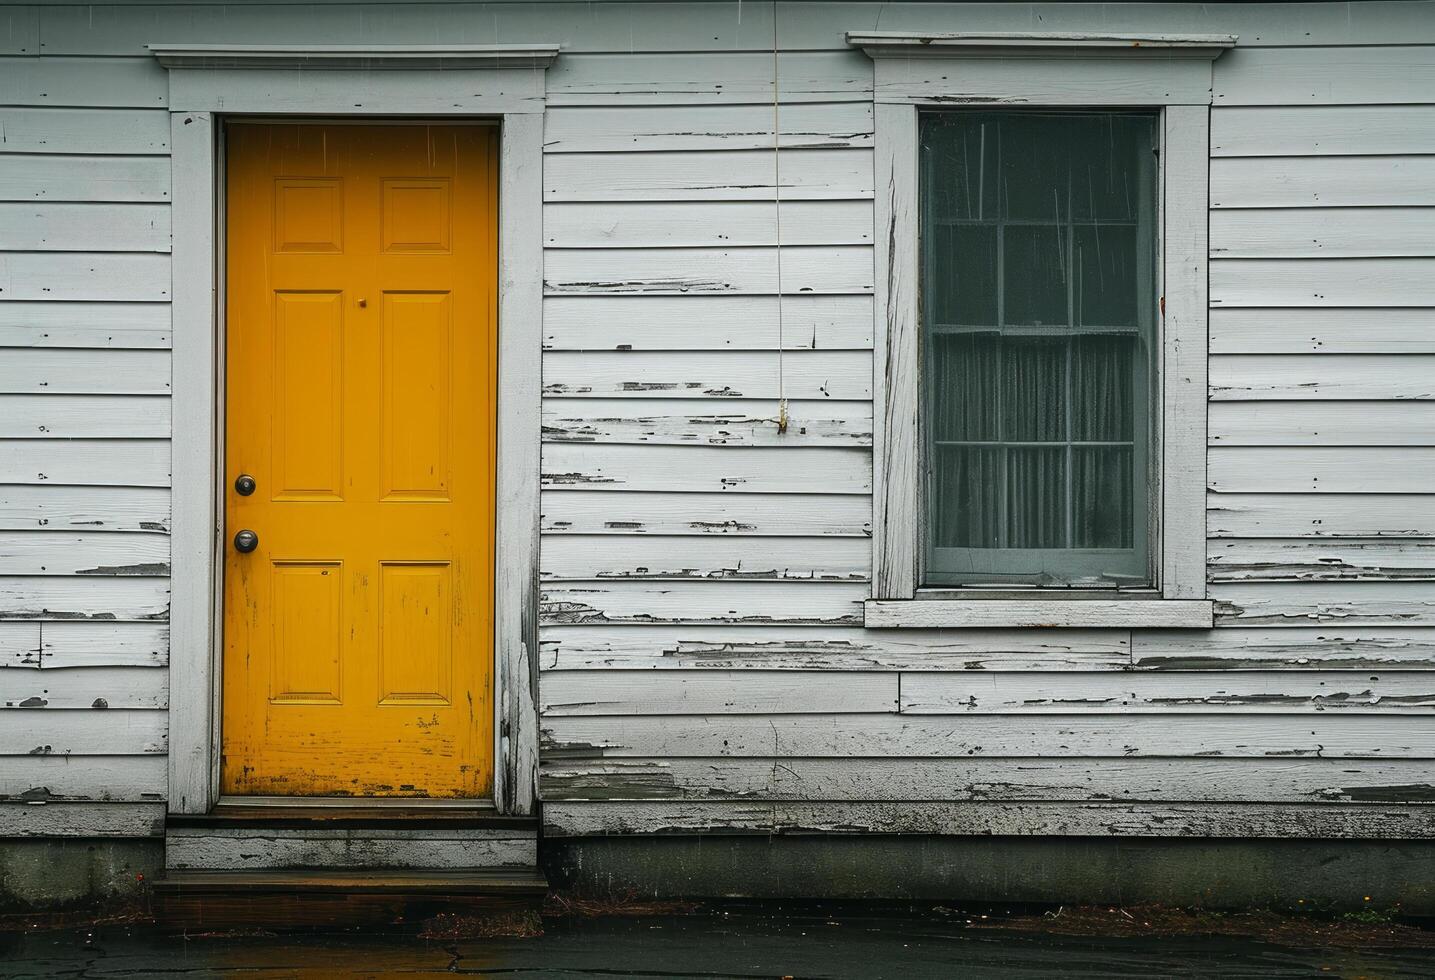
(1039, 311)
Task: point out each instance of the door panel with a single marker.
(361, 300)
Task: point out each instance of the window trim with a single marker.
(1172, 73)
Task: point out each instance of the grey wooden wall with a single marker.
(703, 659)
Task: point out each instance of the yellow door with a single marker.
(360, 397)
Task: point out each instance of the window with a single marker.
(1037, 317)
(1040, 326)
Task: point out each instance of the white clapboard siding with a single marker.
(741, 175)
(1312, 330)
(1297, 515)
(1311, 603)
(62, 733)
(1266, 560)
(683, 224)
(1363, 648)
(582, 558)
(137, 81)
(1308, 423)
(817, 603)
(109, 778)
(875, 736)
(84, 597)
(45, 227)
(53, 645)
(806, 515)
(100, 325)
(60, 508)
(705, 469)
(86, 462)
(1319, 130)
(1309, 376)
(1267, 233)
(97, 131)
(1263, 692)
(593, 129)
(83, 819)
(803, 269)
(719, 375)
(625, 78)
(747, 422)
(1306, 182)
(48, 370)
(93, 688)
(1367, 282)
(81, 416)
(1212, 779)
(714, 692)
(45, 177)
(68, 553)
(757, 648)
(700, 322)
(1344, 75)
(85, 275)
(1250, 469)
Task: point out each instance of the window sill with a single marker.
(1038, 613)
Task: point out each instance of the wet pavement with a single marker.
(709, 943)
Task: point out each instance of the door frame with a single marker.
(209, 84)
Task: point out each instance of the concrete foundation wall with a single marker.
(48, 874)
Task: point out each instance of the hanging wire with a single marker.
(777, 223)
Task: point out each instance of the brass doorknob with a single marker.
(246, 541)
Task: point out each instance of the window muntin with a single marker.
(1039, 293)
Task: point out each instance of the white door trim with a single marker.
(205, 88)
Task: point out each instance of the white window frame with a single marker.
(209, 83)
(1168, 73)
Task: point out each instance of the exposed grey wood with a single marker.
(85, 275)
(1323, 470)
(815, 374)
(876, 736)
(94, 689)
(81, 819)
(1165, 780)
(705, 692)
(706, 127)
(1331, 423)
(1334, 821)
(567, 512)
(756, 648)
(84, 508)
(1304, 604)
(1312, 330)
(1131, 693)
(699, 223)
(739, 175)
(87, 732)
(1360, 648)
(1321, 130)
(743, 423)
(99, 325)
(62, 644)
(705, 469)
(806, 269)
(50, 177)
(55, 370)
(119, 778)
(47, 227)
(605, 322)
(583, 558)
(755, 603)
(85, 462)
(97, 131)
(65, 553)
(347, 849)
(1265, 233)
(84, 597)
(1268, 560)
(1370, 377)
(1362, 282)
(1294, 515)
(1326, 76)
(1041, 612)
(51, 81)
(84, 416)
(1306, 182)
